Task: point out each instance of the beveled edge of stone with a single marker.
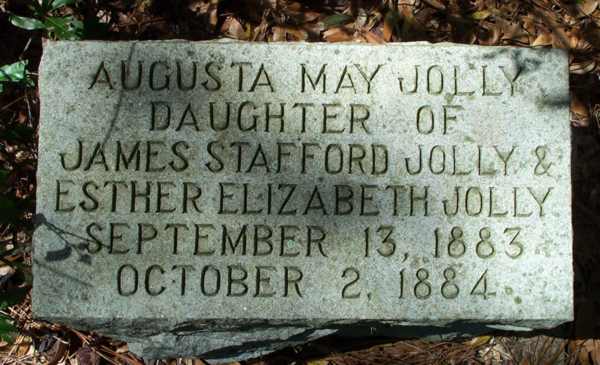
(48, 43)
(253, 339)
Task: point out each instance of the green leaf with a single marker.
(60, 3)
(481, 15)
(26, 23)
(14, 72)
(337, 19)
(7, 330)
(65, 28)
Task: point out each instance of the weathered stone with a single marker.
(224, 198)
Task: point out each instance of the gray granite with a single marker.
(341, 213)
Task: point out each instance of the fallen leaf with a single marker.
(87, 356)
(337, 20)
(587, 7)
(337, 35)
(479, 341)
(57, 352)
(481, 15)
(435, 4)
(310, 16)
(588, 352)
(579, 44)
(390, 24)
(577, 106)
(318, 362)
(595, 351)
(288, 33)
(373, 38)
(544, 39)
(123, 348)
(489, 37)
(23, 346)
(233, 28)
(584, 67)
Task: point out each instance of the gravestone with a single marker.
(219, 198)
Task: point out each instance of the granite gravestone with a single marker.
(197, 197)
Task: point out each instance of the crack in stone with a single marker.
(113, 120)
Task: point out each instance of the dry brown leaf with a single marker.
(288, 33)
(435, 4)
(591, 349)
(206, 8)
(233, 28)
(318, 362)
(388, 31)
(314, 28)
(57, 352)
(587, 7)
(530, 24)
(578, 107)
(22, 346)
(122, 349)
(575, 349)
(142, 5)
(579, 44)
(87, 356)
(489, 37)
(337, 35)
(543, 39)
(373, 38)
(584, 67)
(279, 34)
(512, 32)
(310, 16)
(390, 22)
(583, 353)
(479, 341)
(260, 32)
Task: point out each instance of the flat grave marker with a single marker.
(216, 186)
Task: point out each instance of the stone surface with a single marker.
(289, 191)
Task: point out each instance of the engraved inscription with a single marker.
(348, 185)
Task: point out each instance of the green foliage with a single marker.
(65, 27)
(9, 299)
(15, 72)
(27, 23)
(337, 20)
(6, 329)
(481, 15)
